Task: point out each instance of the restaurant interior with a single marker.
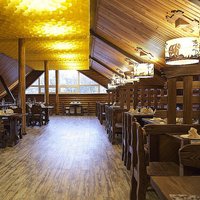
(99, 100)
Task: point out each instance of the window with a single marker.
(89, 89)
(68, 77)
(70, 82)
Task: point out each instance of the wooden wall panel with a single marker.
(65, 99)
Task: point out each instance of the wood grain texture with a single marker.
(69, 159)
(22, 81)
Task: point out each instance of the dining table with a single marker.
(139, 116)
(10, 120)
(176, 187)
(75, 108)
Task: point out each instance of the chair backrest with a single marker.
(189, 157)
(17, 110)
(133, 141)
(141, 165)
(161, 113)
(36, 109)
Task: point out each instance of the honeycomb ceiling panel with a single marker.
(54, 30)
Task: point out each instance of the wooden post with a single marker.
(187, 99)
(135, 95)
(22, 82)
(46, 71)
(57, 92)
(171, 107)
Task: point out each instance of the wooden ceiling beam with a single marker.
(96, 35)
(99, 73)
(105, 66)
(94, 5)
(6, 88)
(196, 2)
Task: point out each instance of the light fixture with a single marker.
(130, 78)
(182, 51)
(144, 70)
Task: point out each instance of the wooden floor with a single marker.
(69, 159)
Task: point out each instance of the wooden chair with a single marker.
(19, 121)
(86, 110)
(107, 107)
(102, 112)
(116, 123)
(36, 115)
(158, 139)
(128, 139)
(3, 135)
(189, 157)
(142, 171)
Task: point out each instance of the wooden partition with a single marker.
(137, 94)
(183, 93)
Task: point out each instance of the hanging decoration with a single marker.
(144, 70)
(182, 51)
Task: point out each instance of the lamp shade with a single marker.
(144, 70)
(182, 51)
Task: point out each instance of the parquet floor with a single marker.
(68, 159)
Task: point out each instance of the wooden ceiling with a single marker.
(122, 26)
(118, 27)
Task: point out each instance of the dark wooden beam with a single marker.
(46, 78)
(22, 81)
(96, 35)
(184, 70)
(105, 66)
(99, 82)
(57, 92)
(94, 5)
(6, 88)
(196, 2)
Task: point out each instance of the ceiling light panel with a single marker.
(50, 28)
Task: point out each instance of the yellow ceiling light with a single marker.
(51, 29)
(38, 6)
(54, 30)
(72, 56)
(64, 46)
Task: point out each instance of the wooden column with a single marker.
(57, 92)
(187, 99)
(22, 82)
(171, 107)
(135, 95)
(46, 71)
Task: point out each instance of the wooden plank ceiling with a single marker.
(122, 26)
(118, 27)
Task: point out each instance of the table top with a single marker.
(49, 107)
(10, 114)
(168, 187)
(153, 121)
(141, 114)
(75, 103)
